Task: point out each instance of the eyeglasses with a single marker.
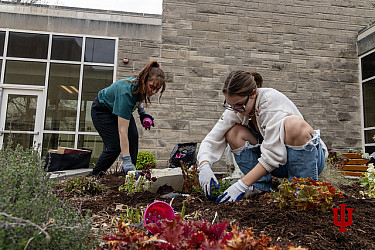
(238, 109)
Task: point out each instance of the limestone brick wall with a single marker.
(306, 49)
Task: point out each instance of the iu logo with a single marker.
(342, 223)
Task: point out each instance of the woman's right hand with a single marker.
(127, 164)
(207, 178)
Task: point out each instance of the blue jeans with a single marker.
(302, 161)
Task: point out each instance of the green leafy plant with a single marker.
(305, 194)
(82, 186)
(191, 182)
(145, 160)
(142, 183)
(368, 181)
(132, 215)
(224, 184)
(31, 215)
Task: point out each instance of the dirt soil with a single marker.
(309, 229)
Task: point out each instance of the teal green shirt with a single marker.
(119, 97)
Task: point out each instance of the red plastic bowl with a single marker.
(157, 211)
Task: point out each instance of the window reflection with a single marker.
(27, 73)
(24, 140)
(66, 48)
(20, 114)
(62, 100)
(2, 40)
(369, 103)
(100, 50)
(93, 142)
(28, 45)
(95, 78)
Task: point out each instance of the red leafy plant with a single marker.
(180, 234)
(190, 175)
(306, 194)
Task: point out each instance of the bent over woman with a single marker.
(111, 113)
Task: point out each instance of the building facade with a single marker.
(54, 60)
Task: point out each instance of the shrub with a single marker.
(145, 160)
(31, 215)
(305, 194)
(368, 181)
(82, 186)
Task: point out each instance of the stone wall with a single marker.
(306, 49)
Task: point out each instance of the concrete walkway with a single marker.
(67, 174)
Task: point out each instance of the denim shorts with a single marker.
(302, 161)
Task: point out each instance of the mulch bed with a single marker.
(309, 229)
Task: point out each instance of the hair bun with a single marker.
(155, 64)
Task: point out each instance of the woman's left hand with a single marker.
(233, 193)
(146, 119)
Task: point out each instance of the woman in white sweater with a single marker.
(267, 135)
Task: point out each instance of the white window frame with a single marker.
(48, 61)
(363, 129)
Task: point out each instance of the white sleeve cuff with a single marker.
(266, 166)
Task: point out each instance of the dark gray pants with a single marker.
(106, 124)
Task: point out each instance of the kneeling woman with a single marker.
(112, 115)
(267, 135)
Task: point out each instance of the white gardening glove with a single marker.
(233, 193)
(206, 178)
(127, 164)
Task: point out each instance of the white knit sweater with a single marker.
(271, 109)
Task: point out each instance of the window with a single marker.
(72, 69)
(95, 78)
(99, 50)
(2, 41)
(62, 98)
(52, 141)
(368, 97)
(25, 73)
(67, 48)
(28, 45)
(93, 142)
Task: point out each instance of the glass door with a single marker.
(21, 117)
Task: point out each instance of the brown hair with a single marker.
(242, 83)
(152, 72)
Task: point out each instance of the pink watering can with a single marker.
(147, 122)
(156, 212)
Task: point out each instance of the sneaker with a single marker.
(253, 191)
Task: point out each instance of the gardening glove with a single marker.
(127, 164)
(233, 193)
(206, 178)
(146, 119)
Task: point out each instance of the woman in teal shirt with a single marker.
(111, 113)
